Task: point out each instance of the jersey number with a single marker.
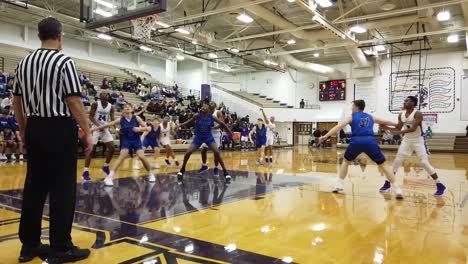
(102, 118)
(364, 122)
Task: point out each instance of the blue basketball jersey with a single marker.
(3, 123)
(9, 136)
(204, 125)
(154, 133)
(362, 125)
(261, 132)
(127, 128)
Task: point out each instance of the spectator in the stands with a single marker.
(3, 79)
(143, 95)
(83, 79)
(139, 80)
(11, 77)
(317, 134)
(6, 102)
(387, 137)
(105, 84)
(115, 84)
(302, 103)
(84, 98)
(428, 133)
(9, 85)
(91, 90)
(227, 141)
(120, 103)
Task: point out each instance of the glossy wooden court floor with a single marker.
(279, 214)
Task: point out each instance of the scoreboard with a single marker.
(334, 90)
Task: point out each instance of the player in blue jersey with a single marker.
(362, 141)
(9, 140)
(260, 131)
(9, 120)
(130, 128)
(204, 122)
(151, 139)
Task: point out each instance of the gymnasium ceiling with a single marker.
(385, 20)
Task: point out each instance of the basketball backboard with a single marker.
(98, 13)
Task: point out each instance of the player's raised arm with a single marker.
(336, 129)
(384, 122)
(267, 122)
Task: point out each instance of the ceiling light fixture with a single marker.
(291, 1)
(244, 18)
(182, 31)
(213, 56)
(102, 12)
(162, 24)
(443, 15)
(104, 36)
(291, 41)
(145, 48)
(324, 3)
(358, 29)
(452, 38)
(104, 3)
(380, 48)
(194, 41)
(180, 57)
(234, 50)
(316, 54)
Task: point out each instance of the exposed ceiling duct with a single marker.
(318, 69)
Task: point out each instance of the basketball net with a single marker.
(143, 26)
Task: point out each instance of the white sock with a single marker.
(86, 169)
(437, 180)
(106, 164)
(216, 166)
(111, 174)
(339, 180)
(205, 164)
(150, 174)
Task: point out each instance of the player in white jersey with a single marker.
(271, 129)
(165, 139)
(410, 120)
(101, 113)
(217, 135)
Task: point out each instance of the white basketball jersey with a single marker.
(102, 115)
(165, 132)
(271, 130)
(216, 131)
(408, 122)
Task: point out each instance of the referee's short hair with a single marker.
(49, 29)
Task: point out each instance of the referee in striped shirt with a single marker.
(47, 105)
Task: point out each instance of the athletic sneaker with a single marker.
(227, 178)
(271, 160)
(86, 176)
(167, 162)
(3, 157)
(267, 160)
(108, 181)
(440, 189)
(398, 193)
(338, 186)
(177, 163)
(386, 187)
(21, 157)
(151, 178)
(203, 169)
(13, 157)
(180, 176)
(105, 169)
(216, 172)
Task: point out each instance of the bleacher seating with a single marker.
(260, 100)
(461, 144)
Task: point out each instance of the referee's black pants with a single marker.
(52, 157)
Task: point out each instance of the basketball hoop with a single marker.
(143, 26)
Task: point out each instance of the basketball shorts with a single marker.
(134, 144)
(105, 136)
(261, 142)
(198, 141)
(370, 148)
(244, 139)
(418, 146)
(165, 141)
(270, 141)
(150, 142)
(217, 138)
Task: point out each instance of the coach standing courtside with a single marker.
(47, 96)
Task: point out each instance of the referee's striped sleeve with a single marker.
(16, 86)
(71, 80)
